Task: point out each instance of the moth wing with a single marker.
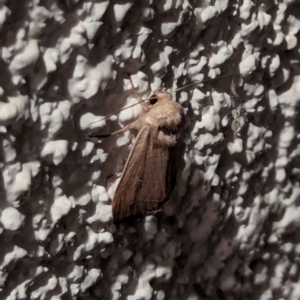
(153, 191)
(143, 184)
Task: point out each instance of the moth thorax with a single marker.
(163, 97)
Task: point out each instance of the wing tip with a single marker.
(132, 217)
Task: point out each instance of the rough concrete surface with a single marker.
(230, 227)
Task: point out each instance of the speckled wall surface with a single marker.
(230, 228)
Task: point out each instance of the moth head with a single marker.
(160, 96)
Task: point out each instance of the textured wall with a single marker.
(229, 230)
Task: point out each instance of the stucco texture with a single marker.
(229, 228)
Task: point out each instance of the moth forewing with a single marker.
(148, 176)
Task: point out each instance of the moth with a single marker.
(150, 171)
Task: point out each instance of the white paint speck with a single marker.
(11, 218)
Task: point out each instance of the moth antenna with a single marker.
(127, 127)
(188, 85)
(112, 114)
(142, 101)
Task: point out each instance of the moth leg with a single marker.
(109, 134)
(140, 99)
(133, 125)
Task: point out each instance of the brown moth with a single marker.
(151, 168)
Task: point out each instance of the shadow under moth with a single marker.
(150, 171)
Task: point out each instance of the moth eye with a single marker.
(153, 100)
